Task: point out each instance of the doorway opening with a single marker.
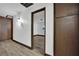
(38, 28)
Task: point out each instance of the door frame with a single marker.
(32, 27)
(54, 29)
(12, 28)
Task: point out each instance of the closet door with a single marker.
(66, 30)
(5, 29)
(9, 28)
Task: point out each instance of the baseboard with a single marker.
(47, 54)
(22, 44)
(39, 35)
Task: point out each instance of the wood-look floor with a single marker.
(11, 48)
(39, 43)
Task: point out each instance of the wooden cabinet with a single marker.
(65, 9)
(66, 30)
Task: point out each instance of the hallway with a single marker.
(10, 48)
(19, 29)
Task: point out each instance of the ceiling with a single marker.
(11, 8)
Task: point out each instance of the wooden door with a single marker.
(5, 29)
(9, 28)
(66, 30)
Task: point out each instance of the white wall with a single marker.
(38, 23)
(23, 35)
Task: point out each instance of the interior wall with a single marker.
(38, 23)
(23, 34)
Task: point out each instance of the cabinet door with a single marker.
(65, 9)
(66, 35)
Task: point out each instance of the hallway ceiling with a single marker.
(11, 8)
